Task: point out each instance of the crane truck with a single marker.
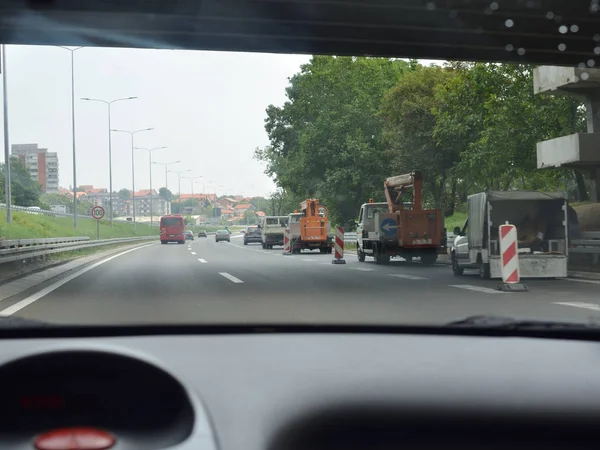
(400, 228)
(309, 228)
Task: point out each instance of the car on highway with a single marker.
(202, 233)
(189, 236)
(222, 235)
(252, 234)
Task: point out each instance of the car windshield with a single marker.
(159, 163)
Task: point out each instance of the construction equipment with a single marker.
(310, 228)
(400, 227)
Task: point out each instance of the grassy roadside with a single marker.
(27, 226)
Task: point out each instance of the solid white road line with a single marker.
(203, 261)
(230, 277)
(477, 289)
(32, 298)
(578, 280)
(193, 253)
(591, 306)
(408, 277)
(364, 269)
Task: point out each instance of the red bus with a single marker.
(171, 229)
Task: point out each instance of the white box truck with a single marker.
(542, 231)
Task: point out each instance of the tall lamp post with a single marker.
(150, 150)
(108, 104)
(179, 172)
(167, 176)
(192, 183)
(7, 180)
(132, 134)
(75, 200)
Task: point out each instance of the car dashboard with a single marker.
(302, 391)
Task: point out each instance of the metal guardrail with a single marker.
(350, 237)
(589, 243)
(20, 249)
(45, 212)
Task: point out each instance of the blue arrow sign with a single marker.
(388, 227)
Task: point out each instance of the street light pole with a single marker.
(192, 183)
(109, 103)
(150, 150)
(6, 149)
(75, 199)
(167, 178)
(179, 183)
(132, 133)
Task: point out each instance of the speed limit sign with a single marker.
(97, 212)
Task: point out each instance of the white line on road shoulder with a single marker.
(577, 280)
(580, 305)
(203, 261)
(364, 269)
(32, 298)
(477, 288)
(230, 277)
(408, 277)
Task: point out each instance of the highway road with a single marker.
(208, 282)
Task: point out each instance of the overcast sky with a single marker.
(208, 108)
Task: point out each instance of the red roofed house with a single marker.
(242, 208)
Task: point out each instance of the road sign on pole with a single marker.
(97, 213)
(388, 227)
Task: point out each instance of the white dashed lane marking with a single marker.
(408, 277)
(203, 261)
(591, 306)
(230, 277)
(477, 288)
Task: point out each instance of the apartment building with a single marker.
(41, 164)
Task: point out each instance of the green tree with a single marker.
(24, 190)
(489, 114)
(165, 193)
(408, 110)
(124, 194)
(325, 141)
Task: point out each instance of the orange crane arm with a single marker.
(395, 186)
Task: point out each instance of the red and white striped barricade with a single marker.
(287, 242)
(509, 259)
(339, 246)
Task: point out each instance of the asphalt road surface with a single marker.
(208, 282)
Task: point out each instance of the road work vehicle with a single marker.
(400, 228)
(272, 229)
(541, 220)
(310, 228)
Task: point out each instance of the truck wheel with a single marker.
(361, 255)
(381, 257)
(484, 271)
(428, 259)
(456, 269)
(323, 250)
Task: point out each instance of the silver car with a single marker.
(222, 235)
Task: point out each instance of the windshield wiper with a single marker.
(508, 323)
